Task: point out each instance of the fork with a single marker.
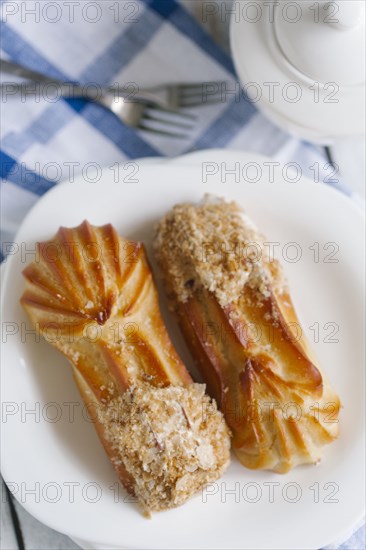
(138, 112)
(169, 96)
(142, 114)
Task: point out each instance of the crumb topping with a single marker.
(172, 440)
(215, 245)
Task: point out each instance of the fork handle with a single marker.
(73, 89)
(18, 70)
(61, 89)
(68, 89)
(65, 88)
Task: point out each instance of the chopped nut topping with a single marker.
(172, 440)
(215, 245)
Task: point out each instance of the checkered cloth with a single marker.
(147, 42)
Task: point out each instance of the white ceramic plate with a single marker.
(307, 508)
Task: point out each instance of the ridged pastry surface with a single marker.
(236, 313)
(91, 294)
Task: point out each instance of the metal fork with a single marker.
(169, 96)
(142, 111)
(142, 114)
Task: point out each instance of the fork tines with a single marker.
(163, 121)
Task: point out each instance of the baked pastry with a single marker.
(237, 317)
(91, 294)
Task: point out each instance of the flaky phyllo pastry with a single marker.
(91, 294)
(236, 313)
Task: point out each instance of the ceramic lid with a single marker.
(304, 64)
(327, 43)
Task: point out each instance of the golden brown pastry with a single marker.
(91, 294)
(237, 317)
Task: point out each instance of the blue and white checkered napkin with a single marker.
(105, 42)
(147, 42)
